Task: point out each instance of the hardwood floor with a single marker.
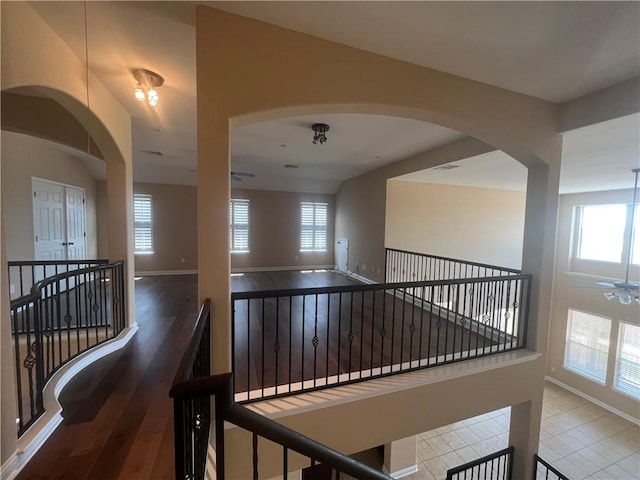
(118, 417)
(117, 413)
(296, 338)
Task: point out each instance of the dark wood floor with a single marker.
(294, 338)
(117, 413)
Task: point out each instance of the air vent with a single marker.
(152, 152)
(446, 167)
(291, 166)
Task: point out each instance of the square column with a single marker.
(400, 457)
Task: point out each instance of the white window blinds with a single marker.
(313, 227)
(142, 223)
(587, 346)
(627, 377)
(239, 230)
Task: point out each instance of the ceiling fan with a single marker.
(237, 176)
(625, 291)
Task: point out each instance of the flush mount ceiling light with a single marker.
(148, 83)
(320, 133)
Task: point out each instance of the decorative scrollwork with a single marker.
(67, 319)
(439, 324)
(116, 300)
(516, 304)
(34, 346)
(276, 347)
(412, 328)
(197, 423)
(383, 332)
(95, 307)
(485, 318)
(350, 337)
(463, 322)
(315, 341)
(90, 294)
(491, 298)
(29, 361)
(507, 315)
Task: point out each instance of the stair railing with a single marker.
(191, 394)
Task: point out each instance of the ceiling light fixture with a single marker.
(148, 83)
(320, 133)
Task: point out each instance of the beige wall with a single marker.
(268, 74)
(24, 157)
(476, 224)
(174, 228)
(361, 204)
(565, 295)
(274, 230)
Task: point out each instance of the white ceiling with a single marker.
(552, 50)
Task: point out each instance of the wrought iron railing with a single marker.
(544, 471)
(289, 341)
(191, 394)
(63, 316)
(405, 266)
(191, 410)
(24, 274)
(496, 466)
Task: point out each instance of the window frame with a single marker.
(235, 226)
(315, 228)
(631, 391)
(142, 224)
(627, 246)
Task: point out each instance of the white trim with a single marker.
(402, 472)
(280, 269)
(575, 391)
(361, 278)
(378, 386)
(38, 433)
(154, 273)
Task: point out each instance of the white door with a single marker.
(343, 254)
(75, 224)
(58, 221)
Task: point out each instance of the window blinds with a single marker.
(142, 223)
(313, 227)
(239, 231)
(627, 377)
(587, 347)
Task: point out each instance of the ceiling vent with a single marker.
(291, 166)
(152, 152)
(446, 167)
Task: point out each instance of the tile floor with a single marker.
(578, 438)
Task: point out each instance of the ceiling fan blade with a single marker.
(606, 285)
(596, 286)
(236, 178)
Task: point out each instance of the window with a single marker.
(313, 227)
(587, 346)
(601, 233)
(239, 231)
(142, 224)
(627, 377)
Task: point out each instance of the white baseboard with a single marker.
(154, 273)
(361, 278)
(281, 269)
(575, 391)
(401, 473)
(38, 433)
